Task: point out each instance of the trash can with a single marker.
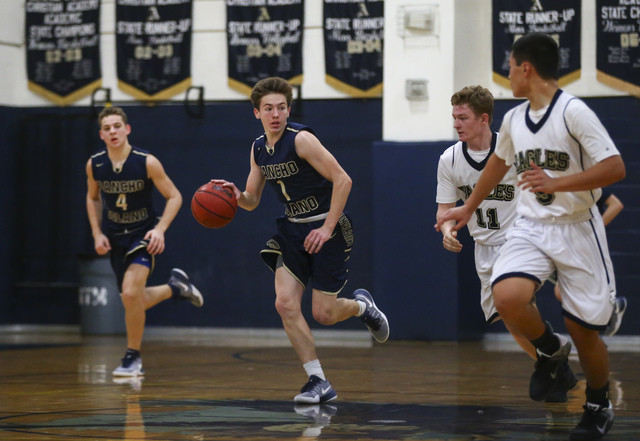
(101, 309)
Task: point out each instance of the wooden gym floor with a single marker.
(59, 387)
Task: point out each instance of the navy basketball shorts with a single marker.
(327, 270)
(127, 249)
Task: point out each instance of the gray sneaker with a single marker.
(130, 367)
(188, 291)
(316, 391)
(619, 308)
(372, 317)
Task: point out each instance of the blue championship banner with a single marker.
(561, 19)
(353, 42)
(264, 39)
(63, 48)
(153, 45)
(618, 48)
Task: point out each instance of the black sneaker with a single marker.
(549, 370)
(595, 423)
(566, 381)
(372, 317)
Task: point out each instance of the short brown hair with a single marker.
(269, 86)
(110, 110)
(479, 100)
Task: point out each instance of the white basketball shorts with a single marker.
(577, 251)
(485, 256)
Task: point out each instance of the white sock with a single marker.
(313, 368)
(363, 307)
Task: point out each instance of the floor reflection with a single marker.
(269, 420)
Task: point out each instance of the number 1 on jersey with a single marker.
(284, 191)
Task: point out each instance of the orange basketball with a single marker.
(213, 205)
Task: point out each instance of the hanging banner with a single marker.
(63, 48)
(153, 46)
(617, 45)
(264, 41)
(353, 42)
(561, 19)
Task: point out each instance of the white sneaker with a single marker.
(130, 367)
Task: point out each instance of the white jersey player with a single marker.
(564, 138)
(563, 156)
(458, 171)
(459, 168)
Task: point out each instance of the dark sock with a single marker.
(175, 291)
(598, 396)
(548, 343)
(131, 353)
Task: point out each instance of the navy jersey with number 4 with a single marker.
(303, 191)
(126, 194)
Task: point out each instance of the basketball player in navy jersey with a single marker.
(124, 223)
(563, 156)
(314, 237)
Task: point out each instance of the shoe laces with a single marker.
(312, 383)
(371, 319)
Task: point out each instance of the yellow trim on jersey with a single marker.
(98, 154)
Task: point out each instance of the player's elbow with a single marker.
(344, 183)
(248, 202)
(617, 171)
(177, 196)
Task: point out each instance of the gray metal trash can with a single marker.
(101, 309)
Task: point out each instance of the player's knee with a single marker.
(324, 316)
(512, 294)
(129, 296)
(503, 302)
(287, 307)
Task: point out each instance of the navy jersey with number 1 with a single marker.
(303, 191)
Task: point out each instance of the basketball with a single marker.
(213, 205)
